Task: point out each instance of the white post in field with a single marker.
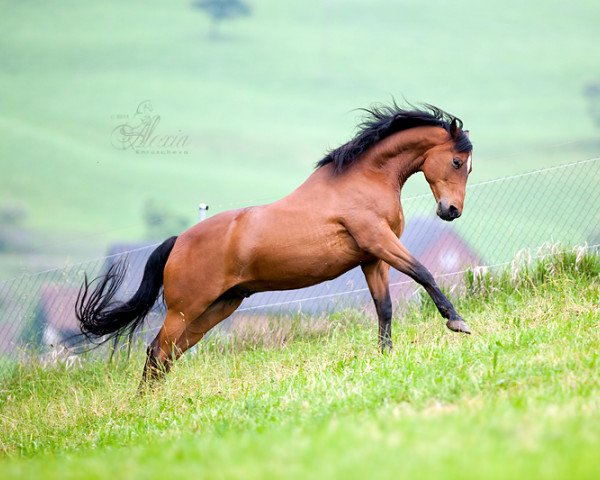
(202, 208)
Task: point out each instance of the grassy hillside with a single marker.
(517, 399)
(262, 103)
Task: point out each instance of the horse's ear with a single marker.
(466, 132)
(454, 128)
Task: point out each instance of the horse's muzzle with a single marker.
(447, 212)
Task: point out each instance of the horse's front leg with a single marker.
(376, 274)
(384, 244)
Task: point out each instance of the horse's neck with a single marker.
(402, 154)
(392, 166)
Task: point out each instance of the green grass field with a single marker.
(264, 102)
(517, 399)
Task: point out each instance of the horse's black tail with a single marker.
(100, 317)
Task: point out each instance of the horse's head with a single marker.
(446, 168)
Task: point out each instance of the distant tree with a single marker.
(221, 10)
(592, 93)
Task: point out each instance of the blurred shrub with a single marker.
(12, 215)
(161, 222)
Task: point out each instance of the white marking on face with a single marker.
(469, 164)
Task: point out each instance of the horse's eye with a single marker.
(456, 163)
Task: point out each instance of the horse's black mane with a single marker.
(385, 120)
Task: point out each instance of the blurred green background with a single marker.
(261, 97)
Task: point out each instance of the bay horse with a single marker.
(347, 213)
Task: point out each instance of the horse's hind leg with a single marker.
(179, 334)
(160, 353)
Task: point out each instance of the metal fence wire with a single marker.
(501, 217)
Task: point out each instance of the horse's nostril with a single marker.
(453, 211)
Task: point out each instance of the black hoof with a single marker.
(458, 326)
(385, 346)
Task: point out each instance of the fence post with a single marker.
(202, 208)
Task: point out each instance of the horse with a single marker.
(347, 213)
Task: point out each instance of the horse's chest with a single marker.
(396, 221)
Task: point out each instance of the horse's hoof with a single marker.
(458, 326)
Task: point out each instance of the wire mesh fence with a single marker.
(501, 217)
